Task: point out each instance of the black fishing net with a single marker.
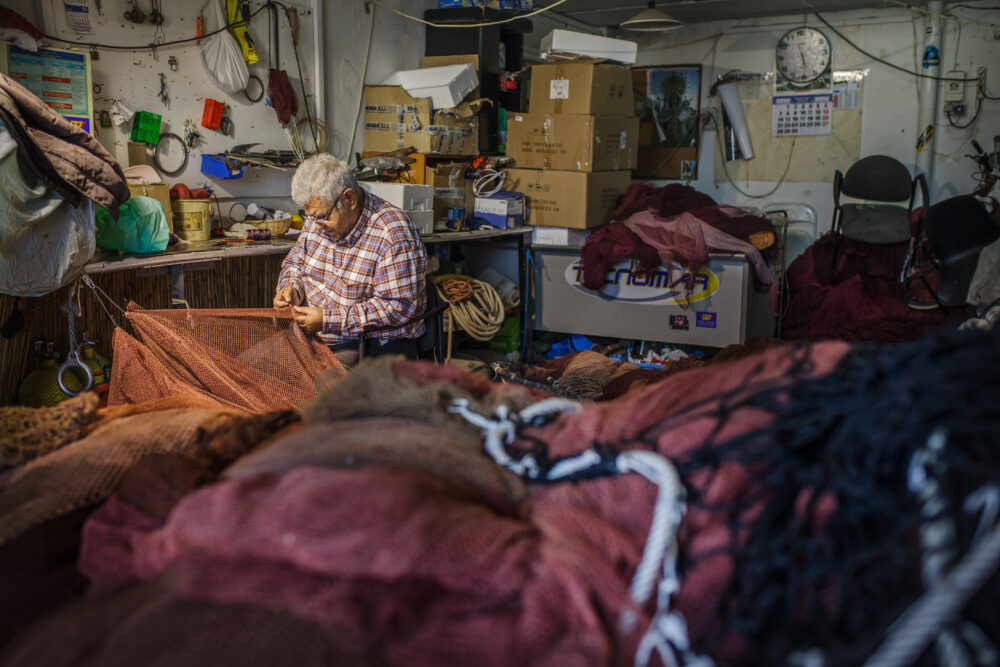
(826, 548)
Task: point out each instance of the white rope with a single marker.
(933, 617)
(667, 633)
(481, 315)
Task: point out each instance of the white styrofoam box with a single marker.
(446, 86)
(406, 196)
(591, 46)
(422, 220)
(559, 236)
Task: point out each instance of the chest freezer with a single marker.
(713, 307)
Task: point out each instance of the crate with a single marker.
(216, 167)
(146, 127)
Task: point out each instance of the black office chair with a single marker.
(431, 342)
(883, 182)
(955, 230)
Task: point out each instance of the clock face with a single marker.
(802, 55)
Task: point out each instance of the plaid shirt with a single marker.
(374, 276)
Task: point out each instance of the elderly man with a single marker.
(358, 262)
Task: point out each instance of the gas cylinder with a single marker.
(99, 365)
(41, 388)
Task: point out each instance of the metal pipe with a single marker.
(928, 98)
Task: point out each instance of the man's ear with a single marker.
(351, 197)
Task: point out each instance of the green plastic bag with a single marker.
(141, 227)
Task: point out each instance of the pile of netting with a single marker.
(786, 507)
(255, 360)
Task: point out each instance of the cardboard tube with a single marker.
(729, 94)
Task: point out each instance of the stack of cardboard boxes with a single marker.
(575, 149)
(438, 118)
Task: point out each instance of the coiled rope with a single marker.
(476, 307)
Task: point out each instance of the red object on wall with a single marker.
(211, 116)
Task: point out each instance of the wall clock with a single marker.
(803, 55)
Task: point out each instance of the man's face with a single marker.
(338, 219)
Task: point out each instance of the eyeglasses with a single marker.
(322, 217)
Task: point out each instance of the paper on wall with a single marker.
(78, 16)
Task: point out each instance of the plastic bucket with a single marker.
(192, 219)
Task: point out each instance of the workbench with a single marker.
(198, 255)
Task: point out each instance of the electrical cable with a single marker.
(468, 25)
(254, 77)
(489, 182)
(975, 116)
(926, 12)
(886, 62)
(156, 154)
(298, 64)
(720, 143)
(361, 87)
(143, 47)
(295, 137)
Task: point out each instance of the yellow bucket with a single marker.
(192, 218)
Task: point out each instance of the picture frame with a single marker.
(673, 94)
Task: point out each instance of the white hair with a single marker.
(322, 177)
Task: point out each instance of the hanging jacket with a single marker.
(74, 162)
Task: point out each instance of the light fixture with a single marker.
(651, 19)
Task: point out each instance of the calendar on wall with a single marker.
(795, 115)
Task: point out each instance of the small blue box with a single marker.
(503, 209)
(215, 166)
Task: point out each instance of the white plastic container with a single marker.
(405, 196)
(422, 220)
(558, 44)
(446, 86)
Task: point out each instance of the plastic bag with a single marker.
(141, 227)
(44, 242)
(223, 60)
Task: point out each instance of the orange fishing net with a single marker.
(257, 360)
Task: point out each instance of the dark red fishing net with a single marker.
(257, 360)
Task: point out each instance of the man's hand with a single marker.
(286, 297)
(309, 318)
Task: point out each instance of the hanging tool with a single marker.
(163, 95)
(156, 17)
(192, 137)
(134, 14)
(73, 356)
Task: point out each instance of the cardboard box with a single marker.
(451, 188)
(404, 196)
(447, 86)
(564, 44)
(577, 143)
(582, 88)
(503, 210)
(158, 191)
(394, 119)
(573, 199)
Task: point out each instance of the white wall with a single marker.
(889, 104)
(397, 43)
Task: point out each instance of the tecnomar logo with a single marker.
(658, 289)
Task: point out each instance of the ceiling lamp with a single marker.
(651, 20)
